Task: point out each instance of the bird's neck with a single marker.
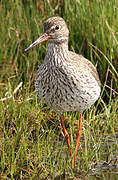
(57, 53)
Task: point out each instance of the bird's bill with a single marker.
(42, 38)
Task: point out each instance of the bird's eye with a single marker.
(57, 27)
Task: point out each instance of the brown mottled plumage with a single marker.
(65, 81)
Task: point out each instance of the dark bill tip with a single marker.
(42, 38)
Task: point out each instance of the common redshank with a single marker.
(65, 81)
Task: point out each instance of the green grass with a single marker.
(32, 145)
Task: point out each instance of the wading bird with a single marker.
(65, 81)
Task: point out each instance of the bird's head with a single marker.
(55, 30)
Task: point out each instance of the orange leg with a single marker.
(66, 135)
(78, 136)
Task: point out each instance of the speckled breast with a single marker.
(66, 89)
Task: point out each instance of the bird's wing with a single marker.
(86, 64)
